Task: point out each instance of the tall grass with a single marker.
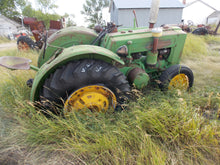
(146, 133)
(201, 54)
(156, 128)
(194, 46)
(4, 40)
(198, 46)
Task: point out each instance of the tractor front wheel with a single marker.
(85, 84)
(176, 77)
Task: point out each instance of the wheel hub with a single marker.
(180, 81)
(96, 98)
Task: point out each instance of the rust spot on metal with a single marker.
(81, 101)
(13, 62)
(74, 34)
(37, 28)
(112, 43)
(161, 44)
(104, 103)
(133, 74)
(55, 25)
(71, 102)
(122, 50)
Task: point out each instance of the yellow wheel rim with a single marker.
(180, 81)
(96, 98)
(23, 46)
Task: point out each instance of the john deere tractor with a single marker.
(79, 68)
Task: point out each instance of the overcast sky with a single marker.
(213, 3)
(75, 7)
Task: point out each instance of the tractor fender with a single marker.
(65, 38)
(70, 54)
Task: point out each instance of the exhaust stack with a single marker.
(154, 12)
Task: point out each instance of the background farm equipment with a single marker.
(203, 30)
(197, 30)
(39, 32)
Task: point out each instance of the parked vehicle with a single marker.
(78, 68)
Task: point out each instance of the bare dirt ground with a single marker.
(7, 45)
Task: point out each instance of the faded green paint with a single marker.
(138, 63)
(70, 54)
(151, 58)
(34, 68)
(141, 41)
(141, 80)
(66, 38)
(75, 43)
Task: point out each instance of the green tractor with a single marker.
(79, 68)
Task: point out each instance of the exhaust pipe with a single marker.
(154, 12)
(152, 55)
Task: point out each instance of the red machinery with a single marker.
(39, 32)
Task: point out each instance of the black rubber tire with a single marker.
(171, 72)
(27, 40)
(200, 31)
(76, 74)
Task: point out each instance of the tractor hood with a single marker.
(140, 39)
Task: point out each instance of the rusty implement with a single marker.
(55, 25)
(38, 28)
(18, 63)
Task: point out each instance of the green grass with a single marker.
(156, 128)
(4, 40)
(195, 46)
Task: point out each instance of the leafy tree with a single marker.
(69, 19)
(92, 9)
(28, 11)
(11, 8)
(46, 5)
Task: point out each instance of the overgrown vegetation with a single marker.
(45, 11)
(158, 128)
(4, 40)
(10, 8)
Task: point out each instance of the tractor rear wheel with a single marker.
(176, 77)
(88, 83)
(24, 43)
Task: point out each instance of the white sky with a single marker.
(73, 7)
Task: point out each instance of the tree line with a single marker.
(14, 9)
